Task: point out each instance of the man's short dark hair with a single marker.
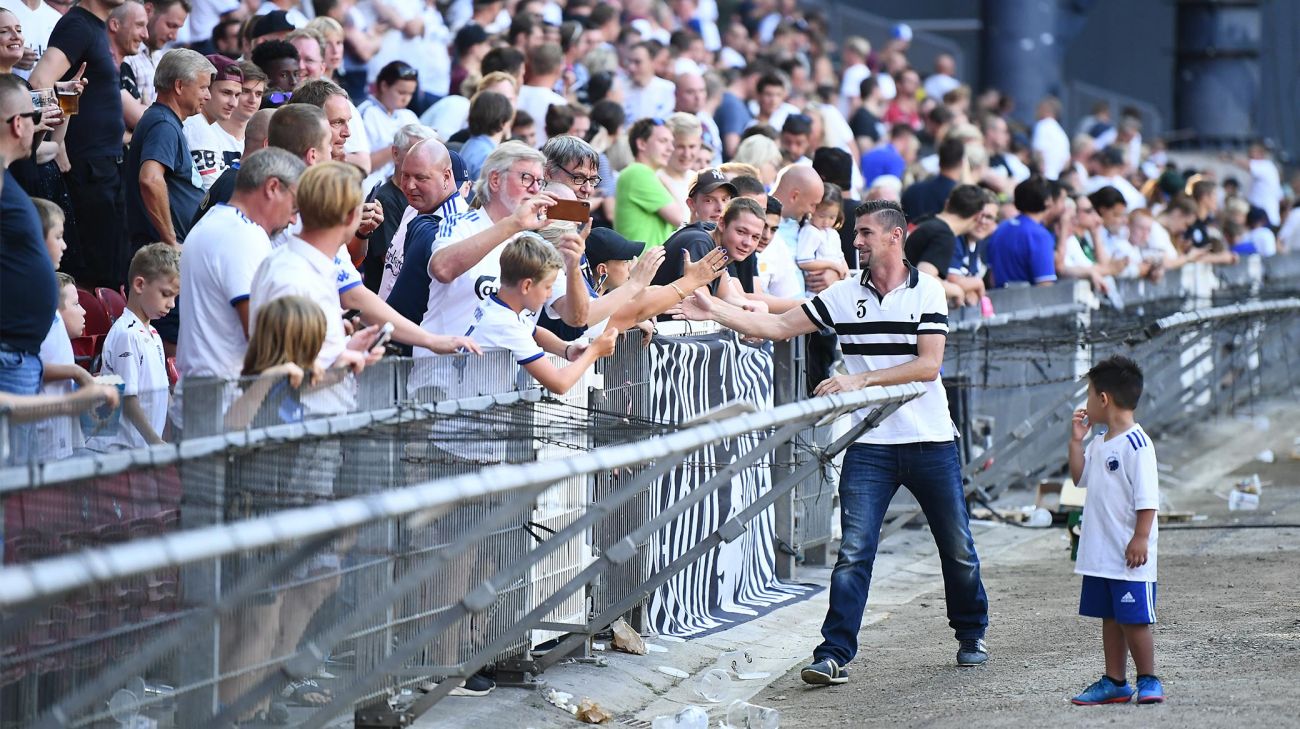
(965, 201)
(901, 131)
(504, 58)
(951, 153)
(272, 51)
(747, 185)
(887, 212)
(297, 128)
(608, 115)
(867, 86)
(1106, 198)
(1120, 378)
(768, 79)
(489, 112)
(1031, 195)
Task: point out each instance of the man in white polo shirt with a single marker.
(892, 324)
(222, 253)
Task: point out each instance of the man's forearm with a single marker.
(750, 323)
(452, 261)
(153, 193)
(576, 303)
(375, 310)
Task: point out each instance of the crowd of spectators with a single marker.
(230, 177)
(192, 124)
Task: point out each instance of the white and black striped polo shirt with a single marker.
(877, 332)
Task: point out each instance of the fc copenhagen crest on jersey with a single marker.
(1112, 464)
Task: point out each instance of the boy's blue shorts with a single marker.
(1130, 603)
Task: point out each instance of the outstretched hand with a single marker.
(645, 269)
(531, 213)
(697, 307)
(702, 272)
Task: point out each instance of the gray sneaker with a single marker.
(972, 652)
(825, 672)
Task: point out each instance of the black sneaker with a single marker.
(476, 685)
(825, 672)
(972, 652)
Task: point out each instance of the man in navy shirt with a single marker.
(1021, 250)
(93, 144)
(163, 189)
(431, 176)
(892, 158)
(29, 293)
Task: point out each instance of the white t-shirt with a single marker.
(536, 100)
(451, 305)
(1264, 240)
(851, 86)
(134, 351)
(345, 273)
(778, 272)
(380, 128)
(939, 84)
(816, 244)
(396, 254)
(221, 256)
(230, 149)
(57, 437)
(494, 324)
(878, 332)
(205, 149)
(1121, 478)
(655, 100)
(37, 26)
(295, 16)
(203, 17)
(298, 269)
(448, 115)
(1053, 145)
(1266, 189)
(777, 120)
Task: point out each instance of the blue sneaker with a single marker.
(1104, 691)
(825, 672)
(1150, 691)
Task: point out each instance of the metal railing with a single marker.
(434, 579)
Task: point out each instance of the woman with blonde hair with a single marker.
(288, 334)
(331, 31)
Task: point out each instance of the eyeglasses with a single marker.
(581, 180)
(35, 116)
(404, 72)
(529, 179)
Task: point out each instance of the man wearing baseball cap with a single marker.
(708, 196)
(205, 145)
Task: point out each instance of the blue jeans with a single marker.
(20, 374)
(871, 476)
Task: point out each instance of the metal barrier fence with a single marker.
(1209, 339)
(194, 580)
(292, 544)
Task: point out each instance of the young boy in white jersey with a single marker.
(507, 319)
(1117, 547)
(134, 351)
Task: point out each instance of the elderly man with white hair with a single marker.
(163, 189)
(465, 266)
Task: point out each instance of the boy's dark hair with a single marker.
(1031, 196)
(608, 115)
(1120, 378)
(1106, 198)
(769, 79)
(965, 201)
(952, 152)
(747, 185)
(502, 58)
(272, 51)
(489, 112)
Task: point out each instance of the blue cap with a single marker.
(458, 170)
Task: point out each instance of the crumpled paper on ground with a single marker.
(591, 712)
(626, 639)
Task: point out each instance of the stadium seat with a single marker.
(98, 322)
(114, 302)
(86, 350)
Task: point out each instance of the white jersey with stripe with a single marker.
(877, 332)
(1121, 478)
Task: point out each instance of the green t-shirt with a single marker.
(637, 200)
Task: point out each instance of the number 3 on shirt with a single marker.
(862, 308)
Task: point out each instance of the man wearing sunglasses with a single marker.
(29, 294)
